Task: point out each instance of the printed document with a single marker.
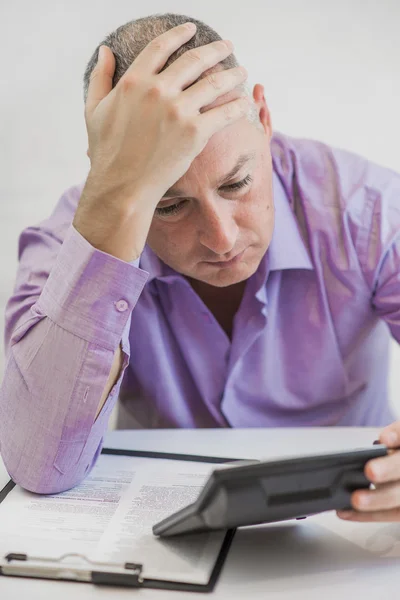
(109, 517)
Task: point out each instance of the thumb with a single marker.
(101, 79)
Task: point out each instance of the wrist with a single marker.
(115, 220)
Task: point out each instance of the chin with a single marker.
(229, 276)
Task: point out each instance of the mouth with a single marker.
(224, 264)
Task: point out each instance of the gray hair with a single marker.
(128, 40)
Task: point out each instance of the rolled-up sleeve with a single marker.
(70, 309)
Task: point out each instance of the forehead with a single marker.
(223, 149)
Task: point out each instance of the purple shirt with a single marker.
(309, 345)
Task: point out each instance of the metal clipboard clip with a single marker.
(100, 573)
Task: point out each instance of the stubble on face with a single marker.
(179, 244)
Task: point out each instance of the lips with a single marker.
(221, 262)
(226, 263)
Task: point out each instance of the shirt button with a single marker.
(121, 305)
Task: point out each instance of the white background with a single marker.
(330, 71)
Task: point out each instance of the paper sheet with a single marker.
(109, 517)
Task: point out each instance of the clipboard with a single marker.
(77, 567)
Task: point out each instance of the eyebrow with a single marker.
(242, 160)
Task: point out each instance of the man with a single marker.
(231, 277)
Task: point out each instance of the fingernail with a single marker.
(345, 514)
(101, 53)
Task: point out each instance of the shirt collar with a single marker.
(287, 249)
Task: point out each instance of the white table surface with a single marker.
(297, 560)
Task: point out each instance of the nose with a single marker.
(218, 230)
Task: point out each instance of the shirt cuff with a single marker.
(91, 293)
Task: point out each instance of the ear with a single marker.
(263, 110)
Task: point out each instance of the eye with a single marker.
(239, 184)
(173, 209)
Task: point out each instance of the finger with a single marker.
(384, 497)
(154, 56)
(101, 78)
(192, 64)
(385, 469)
(390, 436)
(217, 118)
(384, 516)
(215, 84)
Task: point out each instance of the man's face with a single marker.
(217, 232)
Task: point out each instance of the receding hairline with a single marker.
(129, 39)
